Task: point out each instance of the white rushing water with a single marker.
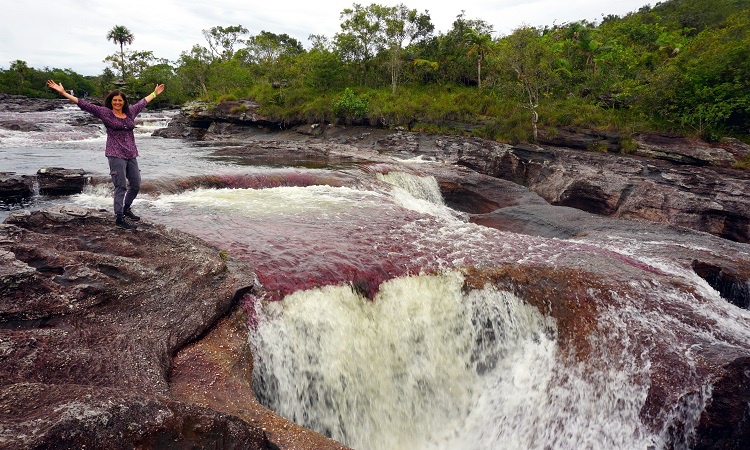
(426, 365)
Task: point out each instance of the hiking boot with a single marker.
(122, 223)
(129, 214)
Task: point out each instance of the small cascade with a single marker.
(423, 188)
(419, 193)
(150, 121)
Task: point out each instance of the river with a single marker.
(366, 331)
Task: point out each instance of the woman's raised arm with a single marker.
(61, 90)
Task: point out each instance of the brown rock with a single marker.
(60, 181)
(19, 125)
(681, 150)
(222, 360)
(90, 318)
(20, 103)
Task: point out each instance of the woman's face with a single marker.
(117, 103)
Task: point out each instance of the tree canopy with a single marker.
(681, 65)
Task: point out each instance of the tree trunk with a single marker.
(395, 57)
(394, 80)
(479, 72)
(122, 63)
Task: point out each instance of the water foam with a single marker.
(271, 202)
(429, 366)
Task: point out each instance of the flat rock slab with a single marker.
(91, 317)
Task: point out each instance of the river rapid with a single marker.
(366, 330)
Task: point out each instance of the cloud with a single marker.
(72, 33)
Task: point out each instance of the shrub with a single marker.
(350, 107)
(239, 109)
(628, 145)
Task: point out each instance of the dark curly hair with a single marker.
(108, 100)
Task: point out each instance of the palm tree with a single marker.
(481, 45)
(121, 35)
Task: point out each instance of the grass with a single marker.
(451, 109)
(743, 164)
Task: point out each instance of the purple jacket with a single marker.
(120, 138)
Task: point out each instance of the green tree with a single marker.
(450, 50)
(135, 63)
(403, 27)
(221, 40)
(697, 15)
(323, 69)
(154, 74)
(274, 55)
(358, 42)
(229, 79)
(528, 57)
(122, 36)
(194, 68)
(267, 47)
(380, 30)
(21, 72)
(480, 45)
(106, 80)
(705, 87)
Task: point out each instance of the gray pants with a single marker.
(127, 180)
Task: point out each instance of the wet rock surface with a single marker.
(709, 198)
(20, 103)
(91, 317)
(61, 181)
(14, 187)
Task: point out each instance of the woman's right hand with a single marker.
(58, 87)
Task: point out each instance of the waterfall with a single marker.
(419, 193)
(427, 365)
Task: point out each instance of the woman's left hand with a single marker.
(57, 87)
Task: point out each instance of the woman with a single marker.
(119, 119)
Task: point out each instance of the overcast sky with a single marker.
(72, 33)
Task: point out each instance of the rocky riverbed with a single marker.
(114, 339)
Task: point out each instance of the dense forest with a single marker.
(679, 66)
